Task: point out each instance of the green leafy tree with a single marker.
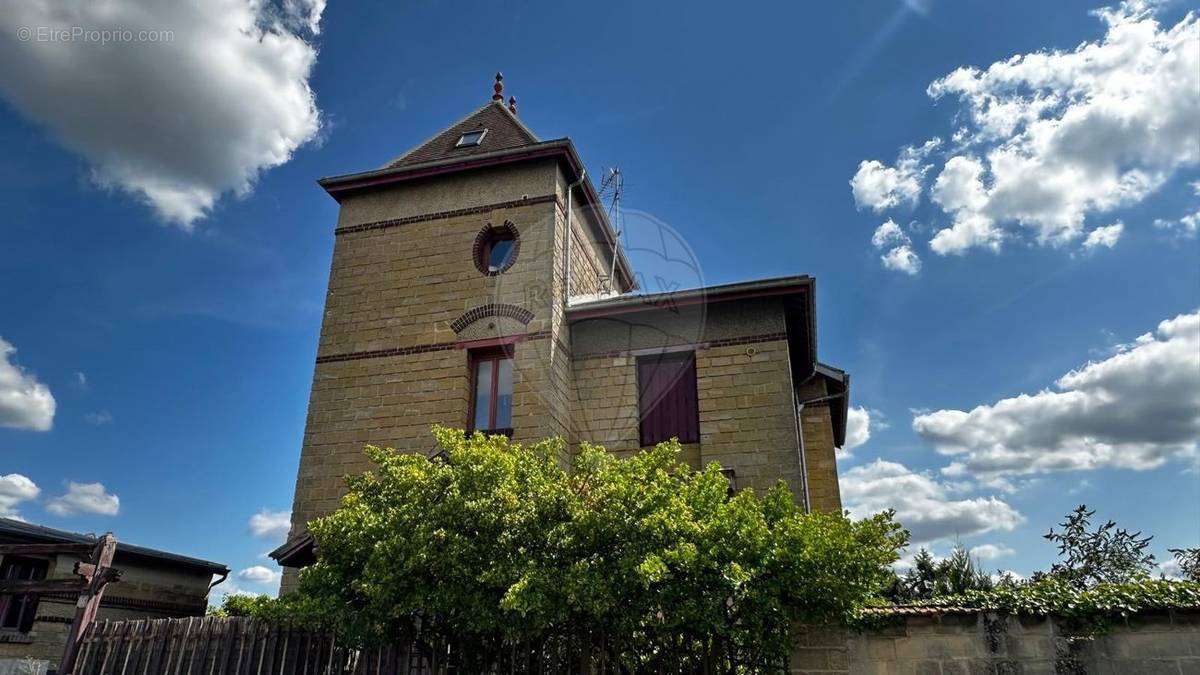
(1106, 554)
(1188, 560)
(930, 578)
(641, 556)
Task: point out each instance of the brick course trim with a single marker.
(710, 344)
(415, 349)
(439, 215)
(499, 309)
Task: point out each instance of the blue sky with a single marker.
(164, 248)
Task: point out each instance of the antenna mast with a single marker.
(612, 186)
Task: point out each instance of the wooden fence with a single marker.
(244, 646)
(229, 646)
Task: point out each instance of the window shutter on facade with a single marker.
(667, 400)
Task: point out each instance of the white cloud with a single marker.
(1136, 409)
(81, 381)
(25, 403)
(219, 95)
(1187, 225)
(15, 489)
(858, 430)
(1171, 569)
(986, 552)
(84, 498)
(259, 574)
(1105, 236)
(880, 187)
(217, 594)
(900, 257)
(98, 418)
(888, 234)
(922, 504)
(270, 524)
(1052, 137)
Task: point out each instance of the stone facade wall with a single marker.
(747, 414)
(966, 644)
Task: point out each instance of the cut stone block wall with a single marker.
(967, 644)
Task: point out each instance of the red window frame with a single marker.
(485, 251)
(18, 611)
(494, 355)
(668, 401)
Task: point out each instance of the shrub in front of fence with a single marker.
(635, 561)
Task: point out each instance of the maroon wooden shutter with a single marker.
(667, 398)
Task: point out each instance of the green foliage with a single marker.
(499, 543)
(929, 578)
(1087, 609)
(1106, 555)
(295, 609)
(1188, 560)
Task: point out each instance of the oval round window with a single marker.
(496, 249)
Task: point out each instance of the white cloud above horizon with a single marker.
(175, 122)
(899, 256)
(16, 489)
(1136, 409)
(1049, 139)
(880, 187)
(923, 505)
(858, 430)
(25, 403)
(270, 524)
(989, 552)
(259, 574)
(80, 498)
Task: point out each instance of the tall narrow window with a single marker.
(491, 391)
(17, 611)
(667, 400)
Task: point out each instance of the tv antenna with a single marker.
(611, 187)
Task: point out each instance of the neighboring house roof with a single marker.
(23, 531)
(504, 131)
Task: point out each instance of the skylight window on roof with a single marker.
(471, 138)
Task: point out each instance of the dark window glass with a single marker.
(17, 611)
(470, 138)
(497, 251)
(667, 400)
(491, 390)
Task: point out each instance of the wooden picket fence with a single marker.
(230, 646)
(245, 646)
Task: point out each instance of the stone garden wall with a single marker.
(975, 642)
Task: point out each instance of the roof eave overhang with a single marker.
(562, 149)
(797, 289)
(299, 551)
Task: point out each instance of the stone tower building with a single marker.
(476, 282)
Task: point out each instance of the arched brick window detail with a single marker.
(499, 309)
(489, 234)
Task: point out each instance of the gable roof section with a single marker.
(28, 532)
(504, 132)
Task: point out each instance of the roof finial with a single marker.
(498, 87)
(512, 105)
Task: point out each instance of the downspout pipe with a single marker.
(800, 405)
(570, 233)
